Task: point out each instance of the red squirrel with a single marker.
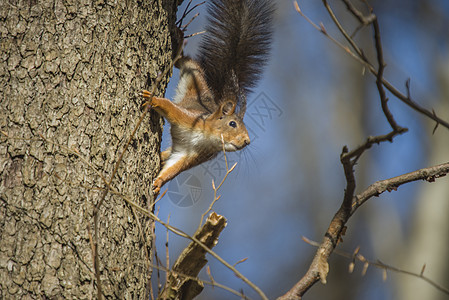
(206, 114)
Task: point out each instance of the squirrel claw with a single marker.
(157, 184)
(156, 191)
(146, 94)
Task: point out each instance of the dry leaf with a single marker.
(323, 29)
(365, 268)
(323, 267)
(351, 267)
(210, 274)
(297, 7)
(240, 261)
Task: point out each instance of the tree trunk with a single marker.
(70, 74)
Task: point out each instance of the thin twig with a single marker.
(378, 264)
(167, 253)
(402, 97)
(188, 11)
(343, 31)
(337, 225)
(217, 197)
(158, 199)
(428, 174)
(197, 5)
(153, 232)
(191, 20)
(370, 141)
(194, 34)
(323, 31)
(184, 14)
(156, 257)
(379, 77)
(380, 60)
(181, 233)
(358, 15)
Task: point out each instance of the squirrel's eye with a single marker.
(233, 124)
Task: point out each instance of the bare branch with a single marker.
(319, 268)
(378, 264)
(364, 20)
(343, 31)
(186, 12)
(216, 196)
(370, 141)
(192, 238)
(337, 226)
(379, 187)
(323, 31)
(167, 253)
(364, 61)
(379, 77)
(192, 260)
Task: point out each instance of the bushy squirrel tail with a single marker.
(236, 45)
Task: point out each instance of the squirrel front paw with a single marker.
(147, 95)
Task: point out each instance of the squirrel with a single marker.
(206, 114)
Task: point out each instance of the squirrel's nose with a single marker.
(247, 141)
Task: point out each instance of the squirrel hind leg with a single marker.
(165, 155)
(175, 164)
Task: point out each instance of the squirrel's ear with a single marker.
(228, 108)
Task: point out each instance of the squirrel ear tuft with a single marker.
(228, 108)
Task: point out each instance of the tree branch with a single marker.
(319, 267)
(356, 256)
(337, 226)
(192, 260)
(379, 187)
(360, 57)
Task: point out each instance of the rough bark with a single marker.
(71, 72)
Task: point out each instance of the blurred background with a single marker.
(314, 99)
